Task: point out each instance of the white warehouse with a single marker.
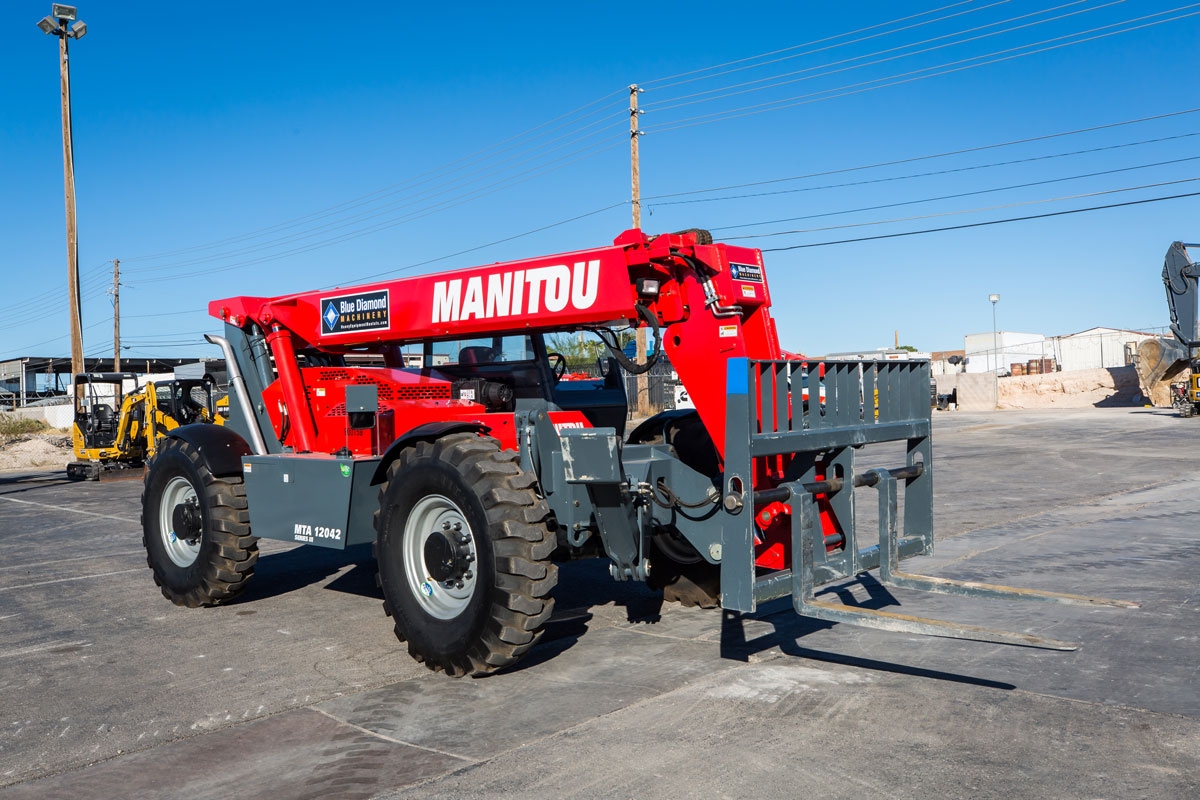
(1097, 348)
(1014, 348)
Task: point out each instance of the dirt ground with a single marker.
(35, 450)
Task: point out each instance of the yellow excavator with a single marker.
(115, 433)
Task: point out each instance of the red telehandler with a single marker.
(427, 416)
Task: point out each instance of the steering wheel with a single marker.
(558, 365)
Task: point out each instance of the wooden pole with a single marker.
(643, 380)
(116, 315)
(69, 192)
(635, 166)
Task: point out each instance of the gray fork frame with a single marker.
(758, 424)
(865, 402)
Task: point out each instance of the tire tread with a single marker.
(234, 552)
(518, 524)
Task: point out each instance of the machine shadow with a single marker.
(583, 586)
(586, 585)
(280, 573)
(34, 480)
(790, 628)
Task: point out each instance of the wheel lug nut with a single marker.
(466, 575)
(458, 526)
(445, 526)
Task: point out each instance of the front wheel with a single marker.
(195, 528)
(463, 549)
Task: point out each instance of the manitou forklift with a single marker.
(428, 417)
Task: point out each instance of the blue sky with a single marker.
(223, 152)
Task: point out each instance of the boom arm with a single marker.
(1179, 276)
(710, 300)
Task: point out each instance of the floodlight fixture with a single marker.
(63, 12)
(48, 24)
(79, 29)
(995, 298)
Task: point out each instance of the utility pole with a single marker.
(635, 133)
(116, 293)
(56, 24)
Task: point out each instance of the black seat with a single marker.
(104, 415)
(477, 355)
(102, 426)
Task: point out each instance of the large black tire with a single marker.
(211, 557)
(463, 546)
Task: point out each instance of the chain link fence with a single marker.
(662, 381)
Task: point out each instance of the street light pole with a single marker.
(56, 24)
(995, 298)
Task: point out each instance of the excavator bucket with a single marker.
(1161, 362)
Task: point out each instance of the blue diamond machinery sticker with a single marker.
(331, 316)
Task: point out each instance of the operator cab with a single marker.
(98, 397)
(523, 372)
(186, 401)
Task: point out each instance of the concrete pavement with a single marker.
(300, 689)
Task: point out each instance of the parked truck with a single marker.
(476, 472)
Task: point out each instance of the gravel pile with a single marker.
(1078, 389)
(35, 450)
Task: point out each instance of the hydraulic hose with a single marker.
(628, 364)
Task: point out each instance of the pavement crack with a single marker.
(378, 735)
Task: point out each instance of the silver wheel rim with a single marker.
(434, 514)
(183, 553)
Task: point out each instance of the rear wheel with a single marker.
(195, 528)
(463, 548)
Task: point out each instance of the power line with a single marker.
(165, 314)
(862, 87)
(26, 348)
(326, 243)
(490, 244)
(377, 226)
(933, 173)
(960, 194)
(686, 100)
(794, 47)
(963, 211)
(394, 188)
(946, 154)
(984, 224)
